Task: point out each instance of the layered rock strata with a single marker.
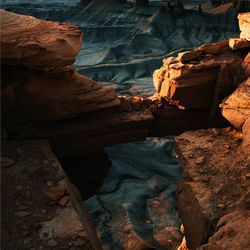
(39, 82)
(69, 104)
(201, 78)
(244, 21)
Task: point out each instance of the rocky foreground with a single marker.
(43, 97)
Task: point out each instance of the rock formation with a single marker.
(43, 97)
(244, 21)
(213, 196)
(201, 78)
(39, 82)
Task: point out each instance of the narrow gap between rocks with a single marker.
(129, 189)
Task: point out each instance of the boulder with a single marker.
(35, 43)
(246, 65)
(195, 80)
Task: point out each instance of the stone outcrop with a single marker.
(89, 133)
(39, 82)
(31, 42)
(246, 65)
(236, 107)
(213, 195)
(201, 78)
(244, 22)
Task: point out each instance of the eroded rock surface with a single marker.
(201, 78)
(39, 82)
(34, 197)
(236, 107)
(213, 195)
(244, 22)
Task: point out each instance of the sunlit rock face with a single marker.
(203, 77)
(244, 20)
(124, 45)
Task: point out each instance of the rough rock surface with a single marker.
(39, 82)
(31, 42)
(90, 133)
(56, 97)
(246, 65)
(236, 107)
(244, 22)
(201, 78)
(213, 196)
(34, 197)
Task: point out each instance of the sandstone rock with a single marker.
(91, 133)
(239, 43)
(246, 136)
(39, 82)
(236, 107)
(244, 22)
(64, 225)
(158, 77)
(49, 97)
(125, 105)
(246, 65)
(201, 83)
(247, 58)
(207, 209)
(230, 234)
(194, 200)
(28, 41)
(188, 55)
(213, 48)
